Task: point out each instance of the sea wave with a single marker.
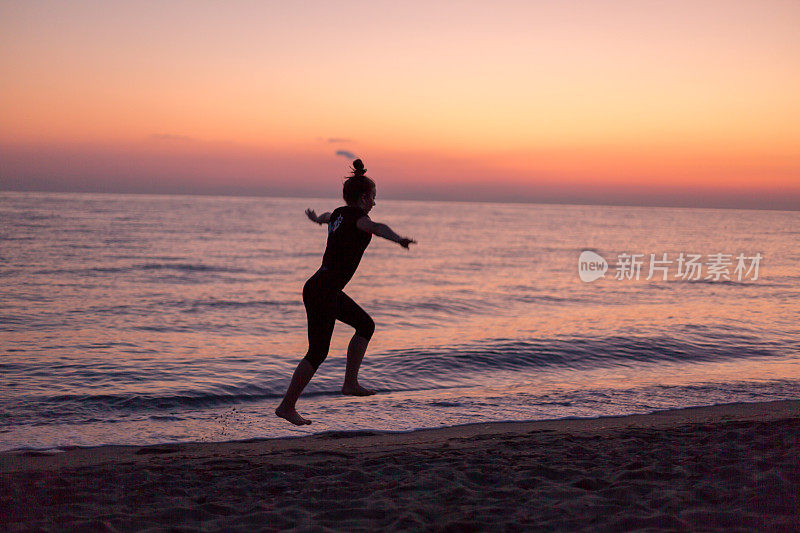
(413, 369)
(578, 353)
(176, 267)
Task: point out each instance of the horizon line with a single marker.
(445, 200)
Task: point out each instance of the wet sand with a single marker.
(730, 467)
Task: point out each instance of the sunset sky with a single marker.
(611, 102)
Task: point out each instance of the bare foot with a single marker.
(356, 390)
(292, 416)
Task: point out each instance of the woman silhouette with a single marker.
(349, 233)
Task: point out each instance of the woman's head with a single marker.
(358, 188)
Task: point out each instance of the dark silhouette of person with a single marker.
(349, 233)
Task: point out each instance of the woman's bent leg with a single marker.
(351, 313)
(355, 354)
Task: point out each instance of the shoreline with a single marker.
(740, 408)
(716, 467)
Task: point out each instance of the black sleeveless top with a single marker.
(346, 243)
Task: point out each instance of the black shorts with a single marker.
(325, 303)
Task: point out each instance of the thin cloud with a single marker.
(345, 153)
(339, 140)
(170, 137)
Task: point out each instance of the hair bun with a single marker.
(358, 168)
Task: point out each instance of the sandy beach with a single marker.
(730, 467)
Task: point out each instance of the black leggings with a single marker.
(325, 303)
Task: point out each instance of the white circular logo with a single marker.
(591, 266)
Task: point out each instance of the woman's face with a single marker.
(368, 201)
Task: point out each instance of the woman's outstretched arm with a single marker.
(324, 218)
(382, 230)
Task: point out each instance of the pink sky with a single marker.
(653, 103)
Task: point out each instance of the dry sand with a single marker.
(732, 467)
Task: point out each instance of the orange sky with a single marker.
(610, 101)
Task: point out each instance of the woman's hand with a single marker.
(312, 215)
(405, 241)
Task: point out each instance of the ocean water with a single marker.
(129, 319)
